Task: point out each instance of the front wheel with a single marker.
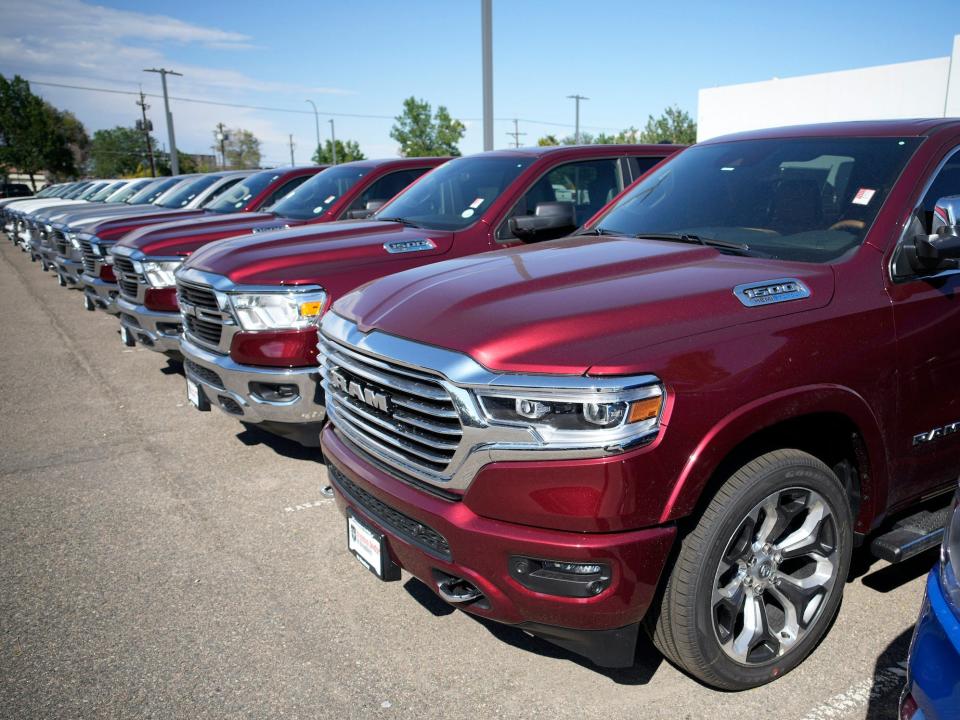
(759, 580)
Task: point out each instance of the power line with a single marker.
(516, 133)
(294, 111)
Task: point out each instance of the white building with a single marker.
(923, 88)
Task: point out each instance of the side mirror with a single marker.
(550, 220)
(371, 207)
(941, 249)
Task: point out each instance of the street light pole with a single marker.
(316, 120)
(486, 23)
(576, 131)
(291, 150)
(333, 142)
(174, 160)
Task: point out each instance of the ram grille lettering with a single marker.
(365, 395)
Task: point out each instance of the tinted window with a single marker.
(315, 196)
(946, 183)
(153, 191)
(90, 191)
(804, 199)
(284, 190)
(386, 187)
(587, 185)
(181, 196)
(240, 194)
(128, 191)
(107, 191)
(457, 193)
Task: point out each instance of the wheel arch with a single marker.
(831, 422)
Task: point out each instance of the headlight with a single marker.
(579, 418)
(278, 311)
(74, 240)
(159, 273)
(950, 554)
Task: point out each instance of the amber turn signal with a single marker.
(310, 309)
(645, 409)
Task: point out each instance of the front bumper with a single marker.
(69, 269)
(933, 680)
(227, 385)
(158, 331)
(99, 294)
(478, 549)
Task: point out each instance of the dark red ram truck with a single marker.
(684, 417)
(145, 260)
(251, 305)
(257, 191)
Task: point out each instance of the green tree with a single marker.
(117, 152)
(242, 149)
(548, 141)
(422, 134)
(35, 136)
(674, 125)
(346, 152)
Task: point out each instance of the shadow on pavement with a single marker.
(889, 677)
(253, 435)
(893, 576)
(173, 367)
(648, 658)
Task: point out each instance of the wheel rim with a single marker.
(775, 576)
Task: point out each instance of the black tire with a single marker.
(693, 618)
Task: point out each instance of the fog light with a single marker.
(558, 577)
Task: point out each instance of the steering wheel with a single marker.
(848, 224)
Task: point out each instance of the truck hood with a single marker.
(114, 228)
(309, 254)
(184, 236)
(568, 305)
(88, 214)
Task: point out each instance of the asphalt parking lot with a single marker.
(160, 562)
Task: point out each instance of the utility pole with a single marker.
(486, 23)
(174, 160)
(316, 121)
(291, 150)
(333, 142)
(147, 128)
(576, 131)
(222, 137)
(516, 133)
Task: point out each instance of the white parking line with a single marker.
(858, 696)
(307, 505)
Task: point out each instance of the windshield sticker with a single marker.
(330, 199)
(468, 213)
(863, 196)
(318, 209)
(477, 203)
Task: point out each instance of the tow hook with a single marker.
(458, 591)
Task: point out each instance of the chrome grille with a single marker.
(89, 258)
(127, 279)
(202, 319)
(61, 243)
(419, 427)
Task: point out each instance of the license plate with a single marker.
(126, 337)
(370, 548)
(193, 393)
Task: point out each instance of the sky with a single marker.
(362, 58)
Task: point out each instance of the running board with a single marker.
(911, 536)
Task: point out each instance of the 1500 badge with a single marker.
(936, 433)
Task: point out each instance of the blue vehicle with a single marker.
(933, 682)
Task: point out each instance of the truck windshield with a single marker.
(182, 196)
(317, 194)
(456, 194)
(237, 197)
(107, 191)
(802, 199)
(154, 190)
(128, 191)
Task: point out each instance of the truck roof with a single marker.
(910, 127)
(585, 150)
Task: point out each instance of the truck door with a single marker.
(927, 319)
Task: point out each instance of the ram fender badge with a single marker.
(405, 246)
(768, 292)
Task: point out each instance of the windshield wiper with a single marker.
(739, 248)
(402, 221)
(597, 231)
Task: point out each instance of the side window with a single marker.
(639, 165)
(588, 185)
(217, 192)
(946, 182)
(386, 187)
(284, 190)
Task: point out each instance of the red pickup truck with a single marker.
(685, 416)
(251, 306)
(258, 190)
(145, 259)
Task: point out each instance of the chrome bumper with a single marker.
(99, 295)
(227, 385)
(68, 269)
(158, 331)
